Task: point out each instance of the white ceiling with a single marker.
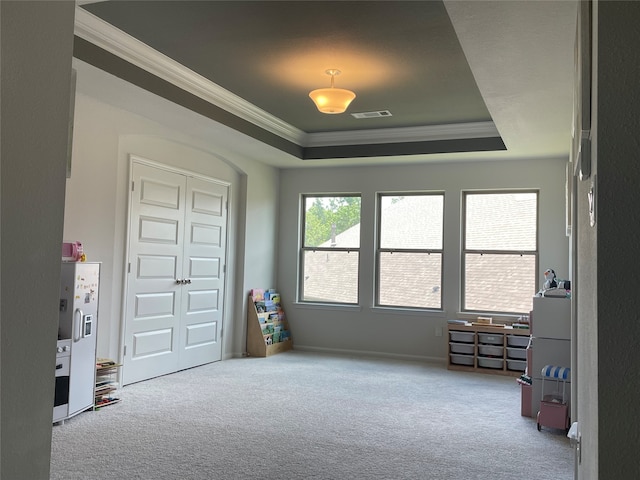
(522, 56)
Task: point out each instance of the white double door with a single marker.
(176, 266)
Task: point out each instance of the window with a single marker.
(330, 251)
(500, 251)
(409, 266)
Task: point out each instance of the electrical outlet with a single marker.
(438, 331)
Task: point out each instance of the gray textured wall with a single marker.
(36, 43)
(608, 274)
(618, 238)
(390, 331)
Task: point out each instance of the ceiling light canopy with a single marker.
(332, 100)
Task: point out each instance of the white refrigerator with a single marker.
(78, 324)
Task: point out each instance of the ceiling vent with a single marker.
(378, 114)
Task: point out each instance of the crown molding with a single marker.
(403, 135)
(115, 41)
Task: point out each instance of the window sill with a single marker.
(413, 312)
(327, 306)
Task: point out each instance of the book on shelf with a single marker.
(108, 387)
(105, 362)
(257, 294)
(265, 295)
(458, 322)
(269, 306)
(103, 402)
(266, 307)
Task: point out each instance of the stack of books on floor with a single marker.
(106, 384)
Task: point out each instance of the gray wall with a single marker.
(36, 54)
(607, 256)
(36, 42)
(114, 120)
(394, 332)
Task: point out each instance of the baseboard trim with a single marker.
(372, 354)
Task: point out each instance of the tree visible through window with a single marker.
(409, 264)
(330, 249)
(500, 252)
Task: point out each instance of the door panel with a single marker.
(201, 301)
(203, 333)
(208, 203)
(204, 259)
(149, 344)
(155, 261)
(204, 268)
(175, 287)
(165, 195)
(159, 230)
(206, 235)
(156, 305)
(157, 266)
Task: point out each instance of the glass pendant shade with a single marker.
(332, 100)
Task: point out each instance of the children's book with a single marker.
(270, 306)
(257, 294)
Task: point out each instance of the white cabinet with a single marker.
(551, 318)
(551, 343)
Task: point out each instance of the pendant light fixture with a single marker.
(332, 100)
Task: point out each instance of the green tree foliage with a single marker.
(327, 213)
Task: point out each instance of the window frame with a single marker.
(380, 250)
(464, 251)
(303, 249)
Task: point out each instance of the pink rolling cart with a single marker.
(554, 411)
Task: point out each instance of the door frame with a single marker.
(134, 158)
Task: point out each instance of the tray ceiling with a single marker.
(251, 64)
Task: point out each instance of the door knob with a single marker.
(188, 280)
(179, 282)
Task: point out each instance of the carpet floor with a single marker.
(302, 415)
